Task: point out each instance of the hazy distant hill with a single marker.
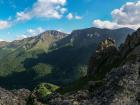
(52, 56)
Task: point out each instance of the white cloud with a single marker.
(20, 37)
(104, 24)
(6, 40)
(63, 31)
(33, 32)
(44, 9)
(78, 17)
(70, 16)
(21, 16)
(40, 9)
(126, 16)
(1, 40)
(4, 24)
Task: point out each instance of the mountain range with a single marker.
(109, 76)
(52, 56)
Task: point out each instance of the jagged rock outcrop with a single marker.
(15, 97)
(105, 44)
(106, 55)
(130, 50)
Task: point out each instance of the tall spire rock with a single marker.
(106, 50)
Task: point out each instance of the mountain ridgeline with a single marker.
(52, 56)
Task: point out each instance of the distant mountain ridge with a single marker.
(52, 56)
(42, 41)
(96, 35)
(45, 36)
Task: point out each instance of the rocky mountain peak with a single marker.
(3, 43)
(53, 33)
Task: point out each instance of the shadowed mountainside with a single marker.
(52, 56)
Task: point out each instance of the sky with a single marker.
(24, 18)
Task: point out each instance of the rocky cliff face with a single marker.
(105, 57)
(121, 84)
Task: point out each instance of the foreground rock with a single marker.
(121, 88)
(74, 98)
(17, 97)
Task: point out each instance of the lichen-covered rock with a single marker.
(16, 97)
(105, 44)
(121, 87)
(74, 98)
